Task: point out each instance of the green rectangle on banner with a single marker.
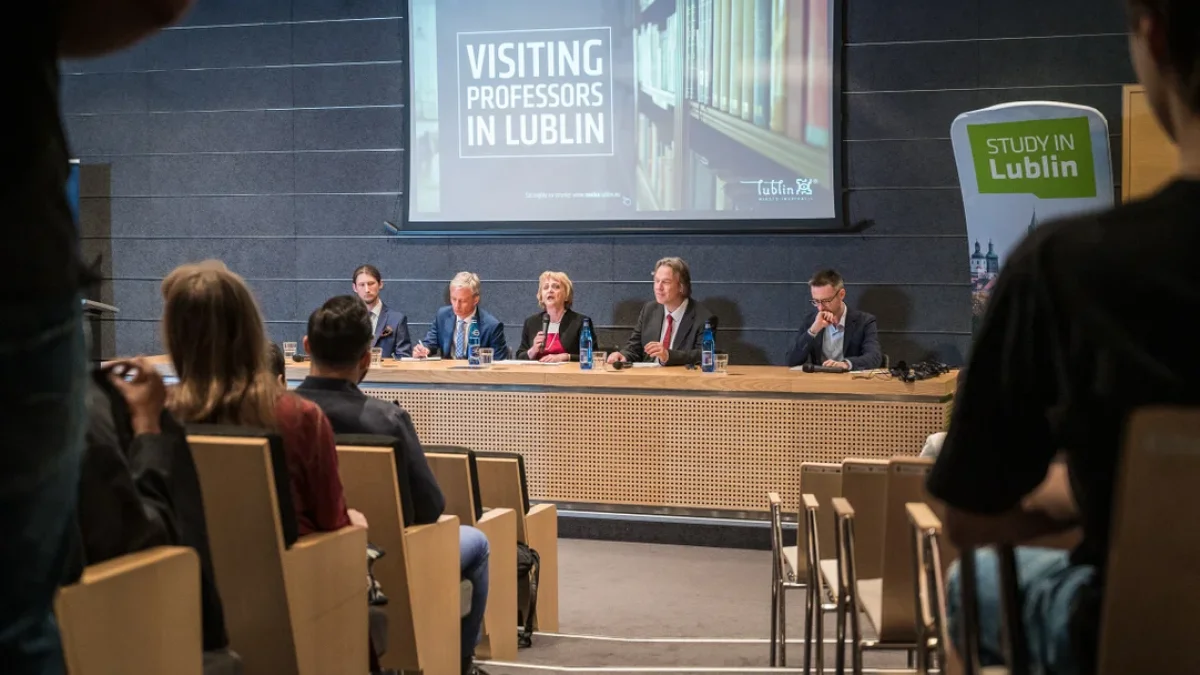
(1049, 158)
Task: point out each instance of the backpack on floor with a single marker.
(528, 569)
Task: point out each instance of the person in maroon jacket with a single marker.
(213, 331)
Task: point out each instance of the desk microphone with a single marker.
(811, 368)
(545, 330)
(299, 358)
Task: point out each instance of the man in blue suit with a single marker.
(390, 326)
(449, 330)
(832, 334)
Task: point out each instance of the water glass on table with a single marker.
(486, 355)
(289, 350)
(376, 357)
(599, 360)
(722, 363)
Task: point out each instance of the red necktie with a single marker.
(666, 341)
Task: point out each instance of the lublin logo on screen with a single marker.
(783, 191)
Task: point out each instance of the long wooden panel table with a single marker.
(663, 440)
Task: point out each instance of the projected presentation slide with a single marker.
(621, 110)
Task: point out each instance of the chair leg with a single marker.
(808, 627)
(774, 621)
(783, 629)
(839, 658)
(819, 631)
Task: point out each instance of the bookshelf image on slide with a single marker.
(729, 92)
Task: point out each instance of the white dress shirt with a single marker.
(678, 316)
(375, 311)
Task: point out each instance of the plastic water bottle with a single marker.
(586, 343)
(708, 349)
(473, 343)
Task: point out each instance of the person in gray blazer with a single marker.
(670, 327)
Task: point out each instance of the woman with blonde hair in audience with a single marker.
(215, 336)
(552, 335)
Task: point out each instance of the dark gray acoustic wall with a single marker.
(267, 133)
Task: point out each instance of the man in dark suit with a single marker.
(389, 326)
(338, 340)
(669, 328)
(833, 334)
(449, 330)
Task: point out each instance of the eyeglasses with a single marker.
(824, 303)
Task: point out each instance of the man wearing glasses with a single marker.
(834, 335)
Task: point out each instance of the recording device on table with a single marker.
(921, 370)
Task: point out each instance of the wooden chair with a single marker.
(139, 613)
(884, 594)
(289, 609)
(929, 587)
(502, 484)
(457, 474)
(790, 564)
(420, 571)
(1152, 578)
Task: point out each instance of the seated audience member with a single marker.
(833, 334)
(1060, 363)
(338, 340)
(560, 342)
(278, 366)
(389, 326)
(449, 330)
(670, 327)
(933, 445)
(138, 485)
(214, 333)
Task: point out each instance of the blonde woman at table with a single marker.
(552, 335)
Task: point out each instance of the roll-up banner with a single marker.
(1020, 164)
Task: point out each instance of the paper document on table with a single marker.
(425, 358)
(647, 364)
(534, 363)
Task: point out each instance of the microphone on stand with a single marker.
(545, 329)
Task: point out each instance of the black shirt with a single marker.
(1090, 319)
(352, 412)
(40, 254)
(138, 492)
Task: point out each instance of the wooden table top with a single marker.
(740, 379)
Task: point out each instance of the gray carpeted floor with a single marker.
(652, 606)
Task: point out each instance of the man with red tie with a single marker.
(669, 328)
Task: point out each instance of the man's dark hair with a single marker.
(366, 269)
(827, 278)
(1181, 21)
(339, 332)
(275, 360)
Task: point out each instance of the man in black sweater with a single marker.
(339, 342)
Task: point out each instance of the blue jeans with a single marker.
(1049, 584)
(473, 553)
(43, 378)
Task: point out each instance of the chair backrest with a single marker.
(1153, 567)
(370, 479)
(457, 473)
(502, 485)
(864, 485)
(399, 468)
(107, 617)
(246, 535)
(824, 482)
(278, 466)
(906, 483)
